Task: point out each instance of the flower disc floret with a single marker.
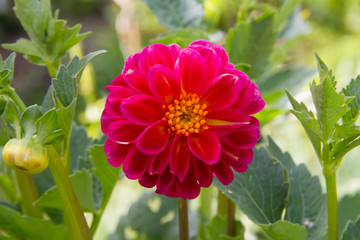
(176, 117)
(186, 115)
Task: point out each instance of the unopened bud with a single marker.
(25, 155)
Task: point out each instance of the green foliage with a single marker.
(252, 42)
(28, 118)
(349, 210)
(12, 116)
(23, 227)
(49, 38)
(176, 13)
(274, 183)
(285, 230)
(6, 70)
(352, 90)
(67, 78)
(352, 231)
(216, 230)
(261, 192)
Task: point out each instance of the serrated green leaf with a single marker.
(45, 126)
(343, 147)
(330, 105)
(82, 182)
(12, 116)
(30, 228)
(79, 148)
(106, 174)
(28, 120)
(29, 48)
(6, 70)
(217, 229)
(261, 192)
(324, 71)
(181, 36)
(344, 131)
(352, 231)
(285, 230)
(348, 210)
(176, 13)
(352, 89)
(307, 204)
(252, 43)
(308, 121)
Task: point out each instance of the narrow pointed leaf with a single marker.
(7, 70)
(353, 89)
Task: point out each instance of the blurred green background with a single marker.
(331, 28)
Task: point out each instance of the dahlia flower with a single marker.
(178, 117)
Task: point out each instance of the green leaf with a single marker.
(344, 131)
(352, 89)
(106, 174)
(289, 78)
(7, 70)
(12, 116)
(324, 71)
(308, 121)
(82, 182)
(66, 82)
(79, 148)
(261, 192)
(30, 49)
(330, 105)
(349, 210)
(307, 204)
(176, 13)
(217, 229)
(285, 230)
(8, 188)
(252, 43)
(352, 231)
(30, 228)
(28, 119)
(181, 36)
(244, 67)
(45, 125)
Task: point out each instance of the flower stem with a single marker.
(332, 205)
(74, 216)
(29, 194)
(230, 218)
(183, 219)
(221, 208)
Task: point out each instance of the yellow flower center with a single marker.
(186, 115)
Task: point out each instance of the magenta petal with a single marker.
(106, 119)
(115, 98)
(223, 172)
(201, 171)
(132, 62)
(154, 139)
(165, 182)
(160, 163)
(142, 109)
(136, 163)
(148, 180)
(218, 49)
(155, 54)
(115, 152)
(223, 93)
(180, 157)
(189, 188)
(205, 145)
(192, 69)
(135, 79)
(163, 83)
(124, 131)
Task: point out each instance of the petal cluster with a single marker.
(178, 117)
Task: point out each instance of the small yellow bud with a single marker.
(25, 155)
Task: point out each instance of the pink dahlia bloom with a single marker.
(178, 117)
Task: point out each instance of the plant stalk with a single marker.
(332, 205)
(74, 215)
(183, 219)
(230, 218)
(221, 208)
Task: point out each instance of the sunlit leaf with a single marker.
(353, 89)
(285, 230)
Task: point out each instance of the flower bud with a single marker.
(25, 155)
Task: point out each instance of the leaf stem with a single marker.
(73, 212)
(183, 219)
(230, 218)
(332, 205)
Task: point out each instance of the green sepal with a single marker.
(6, 70)
(12, 116)
(28, 119)
(46, 127)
